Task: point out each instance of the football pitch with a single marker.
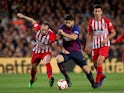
(18, 83)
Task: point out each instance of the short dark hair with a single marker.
(97, 6)
(46, 24)
(69, 17)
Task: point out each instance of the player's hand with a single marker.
(65, 51)
(87, 49)
(20, 15)
(113, 41)
(61, 32)
(104, 41)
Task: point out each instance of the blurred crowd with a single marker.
(17, 36)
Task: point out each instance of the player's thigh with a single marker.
(60, 58)
(104, 51)
(47, 58)
(78, 58)
(95, 54)
(35, 60)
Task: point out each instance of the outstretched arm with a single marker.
(27, 18)
(119, 39)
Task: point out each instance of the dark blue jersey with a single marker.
(71, 45)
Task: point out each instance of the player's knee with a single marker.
(100, 60)
(47, 59)
(60, 58)
(34, 66)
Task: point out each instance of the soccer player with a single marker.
(100, 30)
(118, 40)
(71, 49)
(42, 49)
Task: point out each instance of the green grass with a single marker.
(18, 83)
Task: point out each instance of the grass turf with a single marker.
(18, 83)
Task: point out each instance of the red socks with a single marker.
(48, 70)
(99, 74)
(33, 74)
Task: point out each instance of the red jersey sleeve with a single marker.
(109, 24)
(52, 37)
(36, 26)
(90, 26)
(120, 38)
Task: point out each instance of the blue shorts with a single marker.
(77, 57)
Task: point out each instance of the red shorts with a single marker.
(36, 57)
(103, 51)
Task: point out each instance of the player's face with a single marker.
(98, 12)
(69, 23)
(44, 29)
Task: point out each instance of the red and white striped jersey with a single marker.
(100, 31)
(43, 42)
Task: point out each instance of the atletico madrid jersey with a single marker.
(100, 31)
(43, 42)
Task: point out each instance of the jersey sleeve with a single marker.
(89, 29)
(36, 26)
(52, 37)
(109, 24)
(76, 30)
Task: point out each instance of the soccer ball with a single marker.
(62, 84)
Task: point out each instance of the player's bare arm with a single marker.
(88, 40)
(113, 33)
(20, 15)
(71, 36)
(58, 36)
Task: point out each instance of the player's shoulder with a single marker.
(106, 19)
(62, 26)
(51, 32)
(76, 27)
(36, 26)
(52, 35)
(90, 20)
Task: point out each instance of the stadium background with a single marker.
(17, 36)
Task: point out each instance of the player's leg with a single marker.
(79, 60)
(99, 68)
(46, 60)
(95, 55)
(60, 60)
(33, 71)
(34, 63)
(103, 53)
(89, 75)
